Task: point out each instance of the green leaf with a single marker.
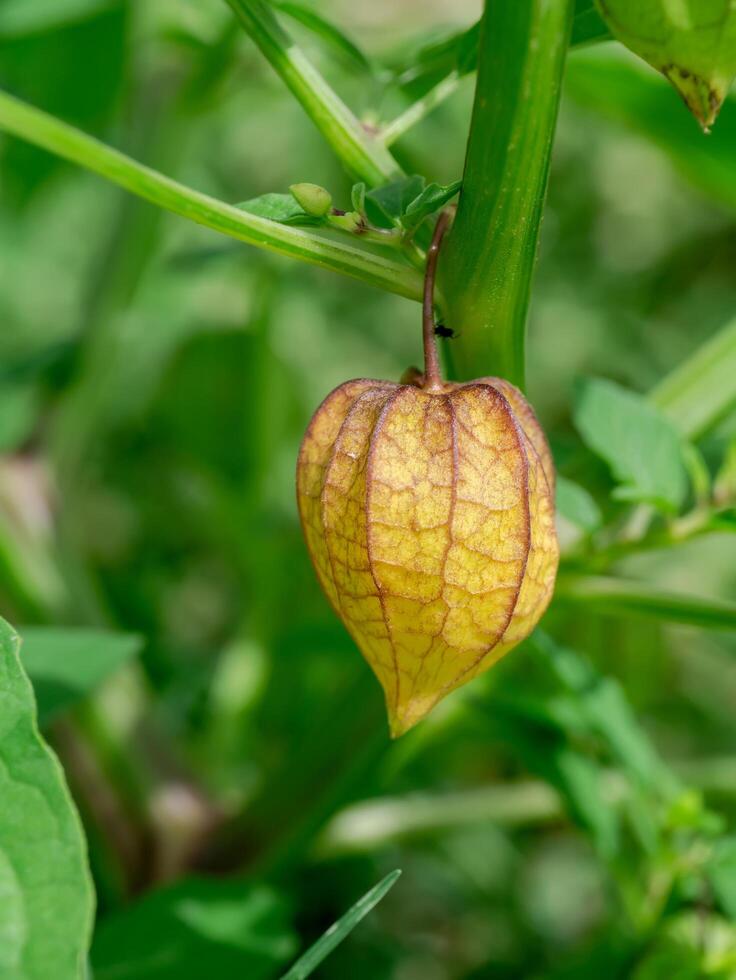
(581, 780)
(540, 735)
(66, 664)
(283, 208)
(310, 960)
(227, 929)
(617, 596)
(19, 18)
(357, 197)
(608, 712)
(692, 42)
(19, 409)
(613, 87)
(432, 198)
(47, 901)
(588, 25)
(423, 66)
(701, 390)
(721, 871)
(724, 487)
(385, 205)
(333, 37)
(576, 505)
(639, 444)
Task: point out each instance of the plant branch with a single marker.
(698, 393)
(363, 153)
(369, 825)
(420, 109)
(49, 133)
(490, 252)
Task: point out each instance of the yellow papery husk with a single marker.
(429, 516)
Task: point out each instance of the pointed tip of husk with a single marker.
(703, 99)
(407, 714)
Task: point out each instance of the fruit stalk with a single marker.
(432, 376)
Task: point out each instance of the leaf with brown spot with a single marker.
(692, 42)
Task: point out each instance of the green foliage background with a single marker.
(155, 381)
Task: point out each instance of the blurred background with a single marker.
(155, 382)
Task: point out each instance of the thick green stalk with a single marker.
(363, 153)
(51, 134)
(489, 256)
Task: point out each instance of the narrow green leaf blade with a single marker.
(47, 903)
(617, 596)
(309, 962)
(640, 445)
(198, 927)
(66, 664)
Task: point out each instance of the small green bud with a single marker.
(693, 43)
(315, 200)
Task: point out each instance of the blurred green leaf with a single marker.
(693, 44)
(422, 66)
(283, 208)
(613, 87)
(325, 30)
(543, 741)
(701, 390)
(618, 596)
(576, 505)
(309, 961)
(608, 712)
(641, 446)
(588, 25)
(224, 929)
(47, 902)
(67, 664)
(721, 873)
(74, 70)
(19, 409)
(724, 486)
(22, 17)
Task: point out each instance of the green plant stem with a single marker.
(420, 109)
(369, 825)
(49, 133)
(488, 261)
(698, 393)
(625, 597)
(363, 153)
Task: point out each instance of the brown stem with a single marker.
(432, 377)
